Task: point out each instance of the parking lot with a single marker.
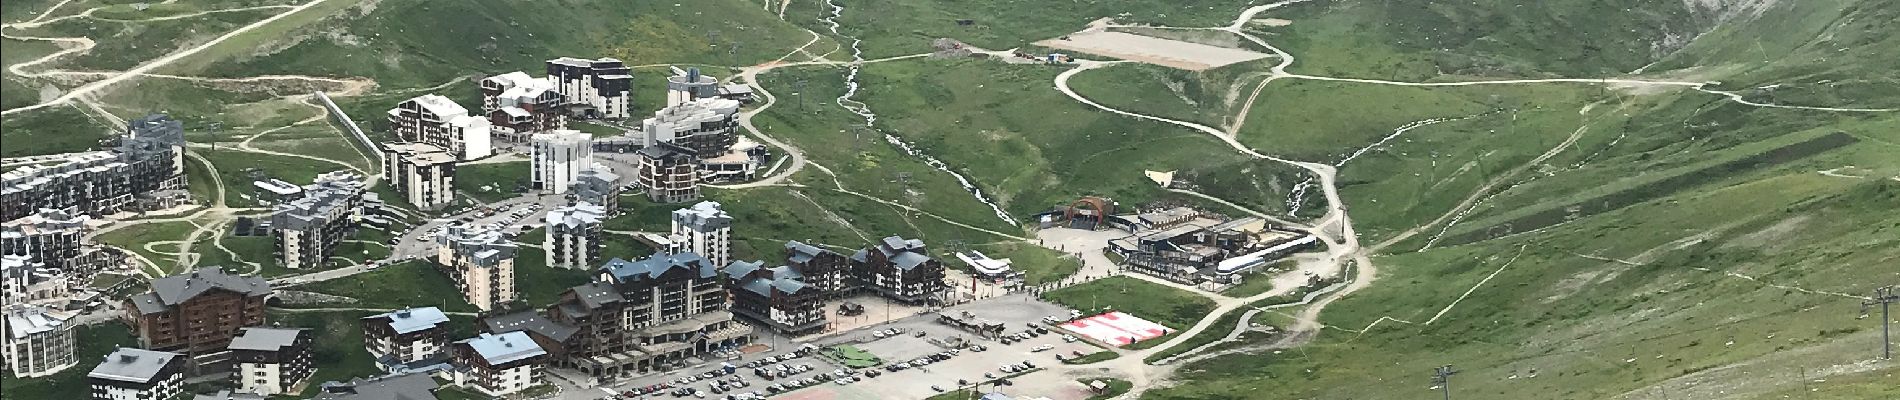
(1016, 312)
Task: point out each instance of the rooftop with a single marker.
(504, 348)
(659, 265)
(173, 290)
(575, 215)
(439, 105)
(133, 365)
(399, 387)
(265, 339)
(413, 319)
(28, 321)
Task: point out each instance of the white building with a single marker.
(406, 339)
(559, 156)
(518, 105)
(600, 88)
(573, 239)
(423, 174)
(271, 360)
(137, 374)
(438, 121)
(26, 280)
(703, 229)
(37, 343)
(497, 365)
(688, 85)
(707, 126)
(481, 262)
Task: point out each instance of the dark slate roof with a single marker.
(906, 261)
(134, 365)
(802, 253)
(596, 294)
(656, 265)
(761, 286)
(783, 279)
(785, 272)
(742, 269)
(172, 290)
(399, 387)
(667, 151)
(531, 322)
(265, 339)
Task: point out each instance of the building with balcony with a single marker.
(406, 340)
(688, 85)
(598, 186)
(137, 374)
(559, 157)
(197, 313)
(423, 174)
(600, 89)
(437, 121)
(144, 171)
(25, 280)
(308, 230)
(776, 297)
(702, 229)
(518, 106)
(480, 261)
(574, 236)
(706, 126)
(899, 269)
(58, 240)
(271, 361)
(497, 364)
(669, 173)
(645, 316)
(823, 270)
(38, 342)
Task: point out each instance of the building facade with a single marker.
(573, 236)
(481, 262)
(437, 121)
(423, 174)
(669, 173)
(900, 270)
(25, 280)
(497, 364)
(598, 186)
(688, 85)
(145, 170)
(38, 342)
(601, 88)
(703, 229)
(57, 239)
(271, 361)
(518, 105)
(408, 339)
(308, 229)
(647, 315)
(198, 312)
(559, 157)
(776, 297)
(824, 270)
(136, 374)
(707, 126)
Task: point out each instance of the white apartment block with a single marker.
(600, 88)
(438, 121)
(497, 365)
(518, 105)
(689, 85)
(559, 157)
(137, 374)
(37, 343)
(271, 361)
(423, 174)
(707, 126)
(481, 262)
(703, 229)
(26, 280)
(308, 229)
(573, 236)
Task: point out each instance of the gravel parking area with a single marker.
(1165, 52)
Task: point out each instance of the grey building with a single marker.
(598, 186)
(308, 230)
(601, 88)
(901, 270)
(423, 174)
(24, 279)
(777, 297)
(37, 342)
(688, 85)
(574, 235)
(57, 239)
(407, 340)
(707, 126)
(481, 261)
(145, 170)
(394, 387)
(824, 270)
(703, 229)
(669, 173)
(137, 374)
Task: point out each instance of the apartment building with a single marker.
(601, 89)
(145, 171)
(38, 342)
(423, 174)
(198, 312)
(271, 361)
(777, 297)
(688, 85)
(411, 339)
(574, 235)
(481, 261)
(824, 270)
(707, 126)
(138, 374)
(56, 238)
(559, 157)
(899, 269)
(703, 229)
(518, 105)
(435, 120)
(497, 364)
(669, 173)
(598, 186)
(25, 280)
(307, 230)
(638, 317)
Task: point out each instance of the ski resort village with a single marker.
(948, 200)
